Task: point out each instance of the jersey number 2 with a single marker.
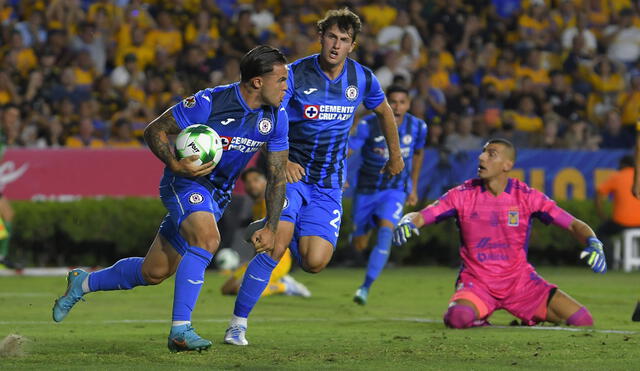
(335, 222)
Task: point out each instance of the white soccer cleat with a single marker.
(295, 288)
(235, 335)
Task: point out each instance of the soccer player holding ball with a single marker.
(378, 200)
(246, 115)
(323, 93)
(494, 214)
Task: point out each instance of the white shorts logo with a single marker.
(351, 93)
(196, 198)
(406, 139)
(265, 126)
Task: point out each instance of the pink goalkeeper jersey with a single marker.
(494, 230)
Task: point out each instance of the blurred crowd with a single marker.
(544, 73)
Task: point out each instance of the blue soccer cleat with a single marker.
(235, 335)
(184, 338)
(361, 295)
(74, 292)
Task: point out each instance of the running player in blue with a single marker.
(246, 115)
(379, 200)
(324, 91)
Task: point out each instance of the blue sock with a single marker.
(189, 280)
(254, 282)
(379, 256)
(125, 274)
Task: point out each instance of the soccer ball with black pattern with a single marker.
(199, 140)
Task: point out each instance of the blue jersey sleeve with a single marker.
(288, 94)
(193, 110)
(356, 141)
(422, 136)
(279, 141)
(375, 95)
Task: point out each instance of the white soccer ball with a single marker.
(227, 259)
(199, 140)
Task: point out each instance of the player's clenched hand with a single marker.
(594, 255)
(412, 199)
(394, 166)
(295, 172)
(404, 230)
(188, 167)
(264, 240)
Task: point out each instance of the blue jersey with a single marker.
(242, 130)
(321, 113)
(370, 140)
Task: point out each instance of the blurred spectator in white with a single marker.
(623, 39)
(463, 138)
(128, 73)
(391, 68)
(32, 30)
(391, 36)
(589, 42)
(89, 39)
(262, 17)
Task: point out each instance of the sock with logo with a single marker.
(189, 280)
(379, 256)
(125, 274)
(253, 284)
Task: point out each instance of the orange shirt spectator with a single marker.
(626, 208)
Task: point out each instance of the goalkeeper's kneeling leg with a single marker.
(459, 316)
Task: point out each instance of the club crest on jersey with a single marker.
(189, 102)
(513, 219)
(225, 142)
(196, 198)
(311, 112)
(286, 203)
(351, 93)
(407, 139)
(265, 126)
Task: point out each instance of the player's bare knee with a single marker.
(155, 276)
(207, 241)
(314, 265)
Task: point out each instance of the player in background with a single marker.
(378, 199)
(636, 192)
(246, 115)
(255, 184)
(494, 214)
(10, 114)
(324, 91)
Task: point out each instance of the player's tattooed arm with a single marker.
(276, 184)
(156, 135)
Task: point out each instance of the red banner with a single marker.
(66, 174)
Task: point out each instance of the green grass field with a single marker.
(400, 328)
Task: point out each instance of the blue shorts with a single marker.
(368, 208)
(314, 210)
(181, 197)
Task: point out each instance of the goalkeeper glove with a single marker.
(595, 255)
(404, 230)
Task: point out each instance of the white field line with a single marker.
(362, 319)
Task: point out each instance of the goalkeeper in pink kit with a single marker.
(494, 215)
